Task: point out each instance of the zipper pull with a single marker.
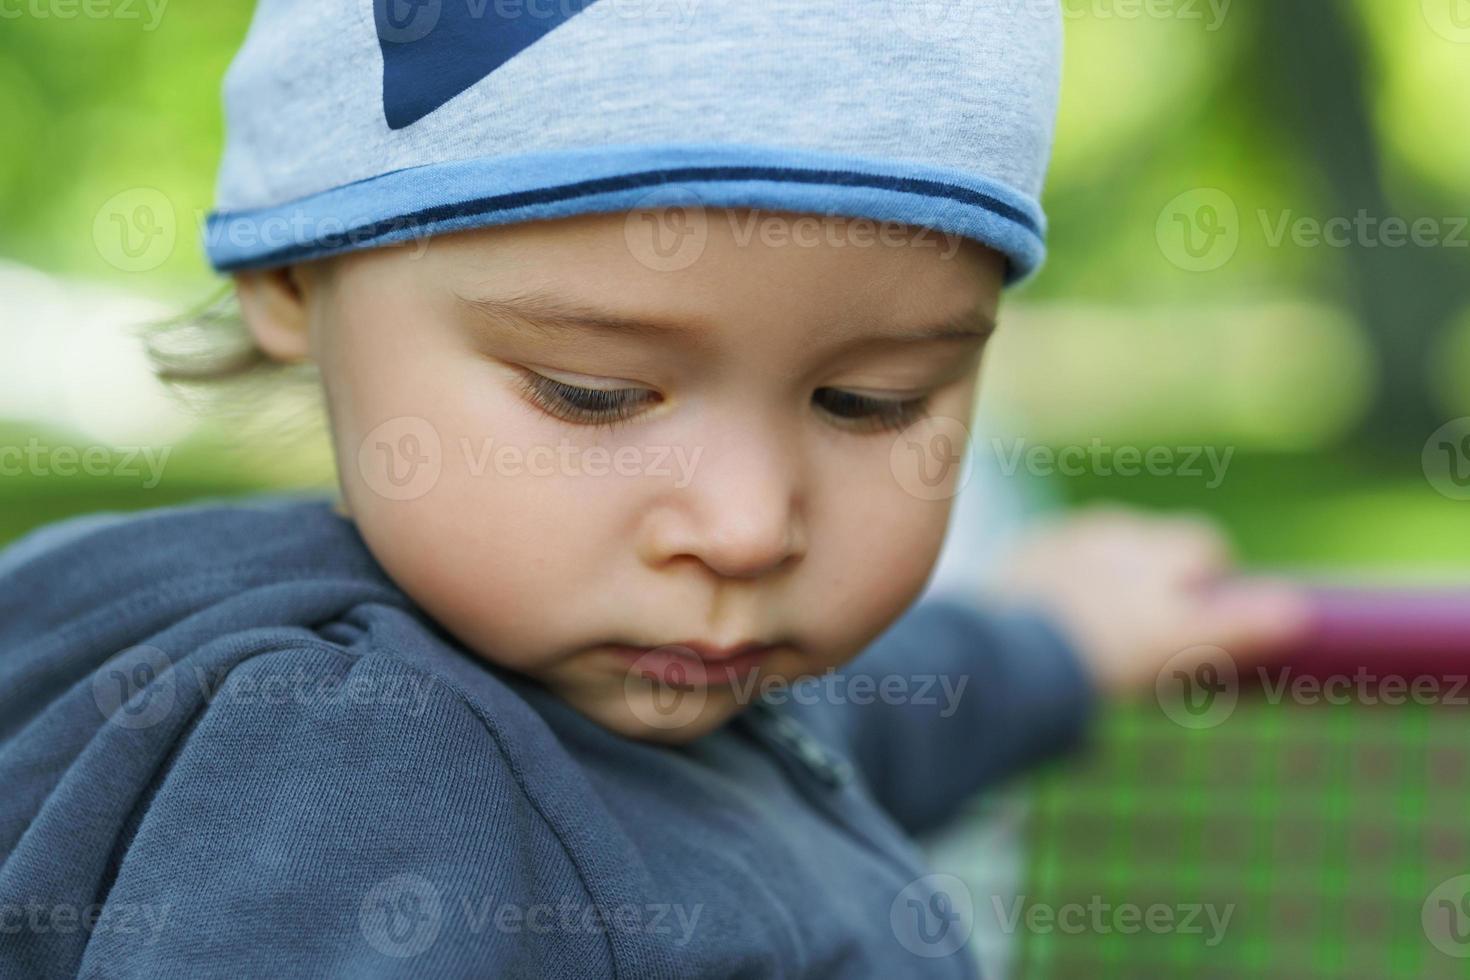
(829, 768)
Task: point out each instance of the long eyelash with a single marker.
(578, 405)
(875, 414)
(606, 408)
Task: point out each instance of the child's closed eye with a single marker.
(582, 405)
(867, 413)
(585, 406)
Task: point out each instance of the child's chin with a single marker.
(666, 717)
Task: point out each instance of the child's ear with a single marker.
(275, 309)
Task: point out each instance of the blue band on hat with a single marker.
(439, 198)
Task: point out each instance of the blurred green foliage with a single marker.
(95, 106)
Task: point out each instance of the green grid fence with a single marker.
(1314, 833)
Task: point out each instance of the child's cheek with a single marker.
(875, 548)
(466, 497)
(487, 562)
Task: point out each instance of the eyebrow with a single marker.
(548, 316)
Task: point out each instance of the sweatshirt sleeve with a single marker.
(951, 699)
(334, 817)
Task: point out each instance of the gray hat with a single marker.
(359, 123)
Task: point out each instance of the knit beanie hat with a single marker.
(358, 123)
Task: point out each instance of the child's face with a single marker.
(703, 463)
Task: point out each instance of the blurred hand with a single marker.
(1134, 590)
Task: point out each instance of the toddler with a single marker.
(646, 332)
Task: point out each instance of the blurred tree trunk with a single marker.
(1310, 64)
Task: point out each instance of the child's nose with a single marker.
(740, 514)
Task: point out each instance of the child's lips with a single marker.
(695, 664)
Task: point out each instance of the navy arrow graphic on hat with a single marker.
(435, 49)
